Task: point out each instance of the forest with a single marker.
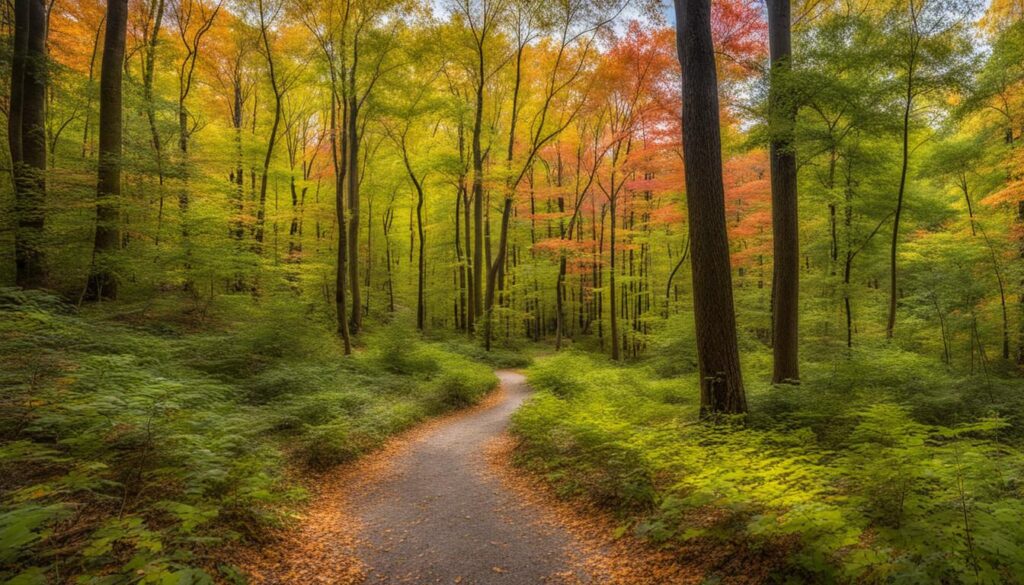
(511, 291)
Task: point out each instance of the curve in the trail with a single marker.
(440, 517)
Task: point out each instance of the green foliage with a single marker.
(873, 486)
(559, 374)
(136, 451)
(674, 349)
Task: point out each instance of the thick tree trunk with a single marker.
(495, 268)
(478, 193)
(337, 160)
(352, 132)
(31, 176)
(18, 57)
(102, 280)
(718, 354)
(785, 229)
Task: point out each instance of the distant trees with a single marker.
(721, 381)
(513, 169)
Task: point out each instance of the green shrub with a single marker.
(329, 444)
(497, 357)
(462, 383)
(848, 474)
(129, 454)
(674, 349)
(397, 349)
(561, 374)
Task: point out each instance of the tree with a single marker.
(27, 138)
(482, 18)
(785, 227)
(102, 278)
(721, 381)
(576, 26)
(359, 32)
(280, 83)
(930, 54)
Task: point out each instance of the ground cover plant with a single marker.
(856, 477)
(135, 452)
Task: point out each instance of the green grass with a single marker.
(131, 453)
(895, 473)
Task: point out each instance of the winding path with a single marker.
(438, 516)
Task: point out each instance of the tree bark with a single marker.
(102, 280)
(352, 132)
(18, 57)
(495, 268)
(478, 190)
(31, 176)
(908, 105)
(278, 95)
(337, 160)
(785, 228)
(613, 308)
(721, 380)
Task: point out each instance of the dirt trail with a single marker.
(439, 516)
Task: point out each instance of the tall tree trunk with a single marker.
(337, 160)
(102, 280)
(389, 217)
(785, 229)
(613, 310)
(261, 209)
(471, 311)
(495, 268)
(460, 303)
(478, 191)
(421, 279)
(908, 105)
(31, 177)
(1020, 299)
(721, 380)
(18, 57)
(356, 322)
(237, 224)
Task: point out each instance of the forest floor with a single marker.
(442, 504)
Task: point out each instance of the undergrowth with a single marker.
(885, 469)
(131, 454)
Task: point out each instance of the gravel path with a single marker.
(439, 517)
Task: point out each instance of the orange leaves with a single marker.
(668, 215)
(74, 26)
(740, 35)
(1009, 195)
(748, 205)
(558, 246)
